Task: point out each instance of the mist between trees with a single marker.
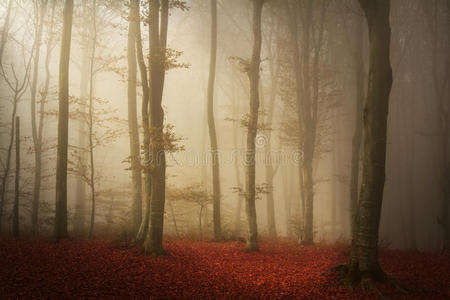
(227, 119)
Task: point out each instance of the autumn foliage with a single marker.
(203, 270)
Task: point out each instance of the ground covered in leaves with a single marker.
(203, 270)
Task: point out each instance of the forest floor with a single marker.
(203, 270)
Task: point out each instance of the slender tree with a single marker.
(80, 184)
(143, 229)
(18, 87)
(63, 122)
(91, 117)
(211, 123)
(159, 19)
(253, 75)
(36, 129)
(17, 182)
(136, 178)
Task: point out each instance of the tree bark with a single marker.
(15, 226)
(253, 75)
(63, 122)
(158, 41)
(136, 178)
(143, 229)
(357, 137)
(80, 185)
(211, 123)
(37, 138)
(375, 133)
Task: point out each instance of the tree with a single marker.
(253, 75)
(63, 122)
(36, 129)
(357, 135)
(211, 123)
(364, 264)
(18, 87)
(17, 182)
(80, 185)
(91, 117)
(159, 18)
(270, 167)
(136, 177)
(143, 229)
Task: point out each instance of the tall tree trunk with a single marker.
(309, 135)
(158, 41)
(91, 119)
(63, 125)
(8, 158)
(133, 128)
(253, 75)
(211, 123)
(270, 170)
(37, 141)
(357, 137)
(375, 133)
(300, 98)
(17, 182)
(4, 39)
(235, 110)
(143, 229)
(80, 185)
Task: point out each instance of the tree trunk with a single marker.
(375, 133)
(63, 122)
(8, 158)
(91, 119)
(211, 123)
(136, 178)
(270, 170)
(143, 229)
(80, 185)
(253, 75)
(37, 140)
(158, 41)
(17, 181)
(237, 220)
(357, 137)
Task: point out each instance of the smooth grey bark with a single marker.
(143, 229)
(133, 127)
(211, 124)
(63, 125)
(158, 41)
(253, 75)
(270, 169)
(15, 225)
(36, 129)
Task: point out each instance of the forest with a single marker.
(225, 149)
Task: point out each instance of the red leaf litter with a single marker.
(203, 270)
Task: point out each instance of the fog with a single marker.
(415, 203)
